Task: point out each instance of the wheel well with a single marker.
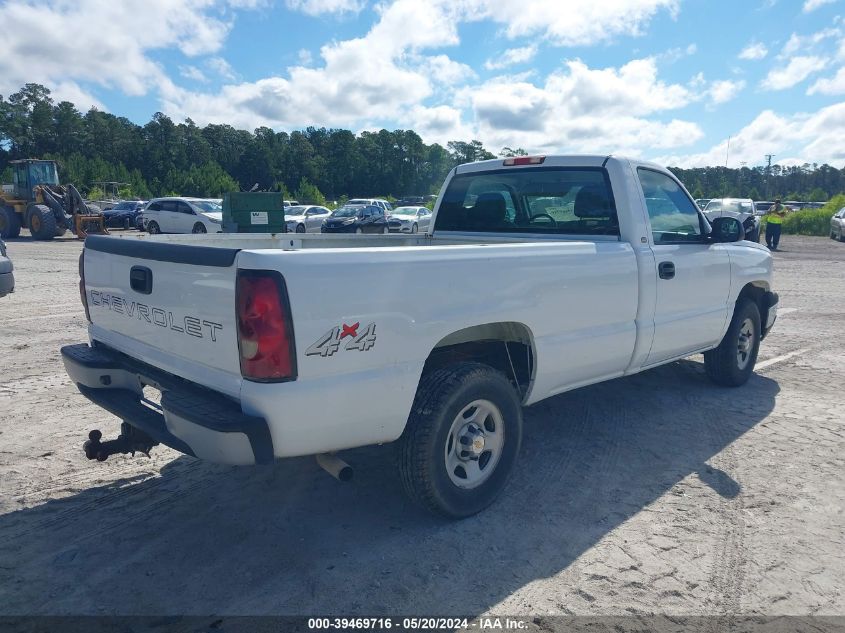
(507, 347)
(756, 291)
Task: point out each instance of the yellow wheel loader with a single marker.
(37, 201)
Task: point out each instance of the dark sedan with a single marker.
(124, 215)
(356, 219)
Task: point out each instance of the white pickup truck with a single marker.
(540, 275)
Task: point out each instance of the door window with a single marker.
(183, 207)
(673, 215)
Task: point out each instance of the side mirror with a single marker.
(726, 229)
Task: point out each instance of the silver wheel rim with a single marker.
(745, 344)
(474, 444)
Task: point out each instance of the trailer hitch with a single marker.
(130, 440)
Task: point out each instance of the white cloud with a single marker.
(320, 7)
(193, 73)
(222, 68)
(806, 43)
(103, 42)
(817, 137)
(725, 90)
(305, 57)
(570, 23)
(812, 5)
(511, 57)
(829, 85)
(796, 71)
(754, 51)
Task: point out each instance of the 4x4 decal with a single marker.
(328, 344)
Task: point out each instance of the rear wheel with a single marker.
(153, 228)
(199, 227)
(461, 441)
(42, 222)
(732, 363)
(10, 223)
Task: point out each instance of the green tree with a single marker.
(308, 193)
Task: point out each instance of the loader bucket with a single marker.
(84, 225)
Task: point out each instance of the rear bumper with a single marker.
(190, 419)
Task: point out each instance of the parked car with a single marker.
(762, 207)
(384, 204)
(837, 226)
(7, 274)
(410, 201)
(814, 205)
(262, 353)
(356, 218)
(742, 209)
(409, 220)
(702, 202)
(124, 214)
(183, 215)
(290, 203)
(305, 219)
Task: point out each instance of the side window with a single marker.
(154, 206)
(182, 207)
(674, 217)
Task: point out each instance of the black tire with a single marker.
(726, 365)
(841, 236)
(10, 223)
(153, 228)
(421, 453)
(415, 228)
(42, 222)
(300, 228)
(199, 227)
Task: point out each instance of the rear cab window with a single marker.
(546, 200)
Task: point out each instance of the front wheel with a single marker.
(199, 227)
(359, 230)
(732, 363)
(461, 441)
(300, 228)
(415, 228)
(42, 222)
(153, 228)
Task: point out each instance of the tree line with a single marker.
(162, 157)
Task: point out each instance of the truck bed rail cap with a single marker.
(162, 251)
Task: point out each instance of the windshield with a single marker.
(123, 206)
(736, 206)
(43, 173)
(406, 210)
(347, 212)
(297, 210)
(207, 205)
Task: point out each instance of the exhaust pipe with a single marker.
(335, 466)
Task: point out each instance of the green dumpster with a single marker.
(253, 212)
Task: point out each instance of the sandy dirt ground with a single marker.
(658, 493)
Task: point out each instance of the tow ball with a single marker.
(130, 440)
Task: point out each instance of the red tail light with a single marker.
(82, 294)
(265, 330)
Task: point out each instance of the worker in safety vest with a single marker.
(774, 224)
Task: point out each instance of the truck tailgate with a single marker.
(172, 306)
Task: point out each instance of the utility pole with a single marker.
(769, 158)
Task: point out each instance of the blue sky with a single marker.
(669, 80)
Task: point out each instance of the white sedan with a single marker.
(183, 215)
(837, 226)
(409, 220)
(304, 218)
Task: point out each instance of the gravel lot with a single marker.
(659, 493)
